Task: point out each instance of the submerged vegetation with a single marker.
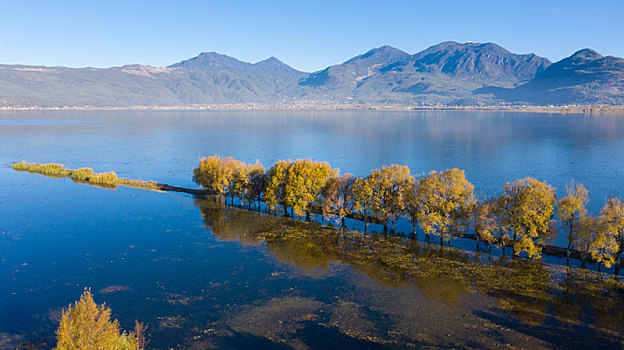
(535, 293)
(84, 175)
(87, 325)
(441, 203)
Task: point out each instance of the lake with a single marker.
(205, 276)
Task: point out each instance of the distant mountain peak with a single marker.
(271, 61)
(484, 62)
(585, 55)
(208, 59)
(383, 53)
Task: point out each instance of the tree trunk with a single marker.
(307, 219)
(441, 241)
(385, 227)
(365, 225)
(342, 221)
(599, 272)
(413, 230)
(618, 262)
(569, 245)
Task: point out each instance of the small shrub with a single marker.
(87, 325)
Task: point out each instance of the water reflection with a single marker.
(545, 301)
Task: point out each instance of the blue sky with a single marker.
(308, 35)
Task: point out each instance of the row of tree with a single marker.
(440, 203)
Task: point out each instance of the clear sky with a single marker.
(308, 35)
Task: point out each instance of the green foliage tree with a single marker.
(446, 199)
(275, 192)
(86, 325)
(305, 184)
(527, 207)
(339, 198)
(570, 210)
(390, 186)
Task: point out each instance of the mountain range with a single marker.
(450, 73)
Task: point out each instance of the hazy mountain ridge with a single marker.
(449, 73)
(586, 77)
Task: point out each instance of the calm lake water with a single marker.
(203, 276)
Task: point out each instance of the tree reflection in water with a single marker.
(553, 298)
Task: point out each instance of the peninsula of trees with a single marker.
(443, 204)
(524, 215)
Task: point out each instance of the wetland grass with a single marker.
(84, 175)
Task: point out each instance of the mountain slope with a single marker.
(349, 73)
(206, 79)
(586, 77)
(449, 73)
(481, 62)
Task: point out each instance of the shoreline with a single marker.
(573, 109)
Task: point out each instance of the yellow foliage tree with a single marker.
(363, 199)
(446, 199)
(275, 192)
(612, 242)
(389, 187)
(239, 179)
(86, 326)
(339, 198)
(485, 221)
(305, 184)
(214, 175)
(256, 183)
(527, 208)
(571, 209)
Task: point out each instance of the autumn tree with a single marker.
(305, 184)
(363, 199)
(588, 233)
(339, 198)
(87, 325)
(275, 191)
(389, 186)
(413, 205)
(485, 220)
(446, 199)
(612, 217)
(239, 178)
(214, 175)
(527, 207)
(256, 183)
(570, 210)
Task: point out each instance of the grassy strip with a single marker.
(84, 175)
